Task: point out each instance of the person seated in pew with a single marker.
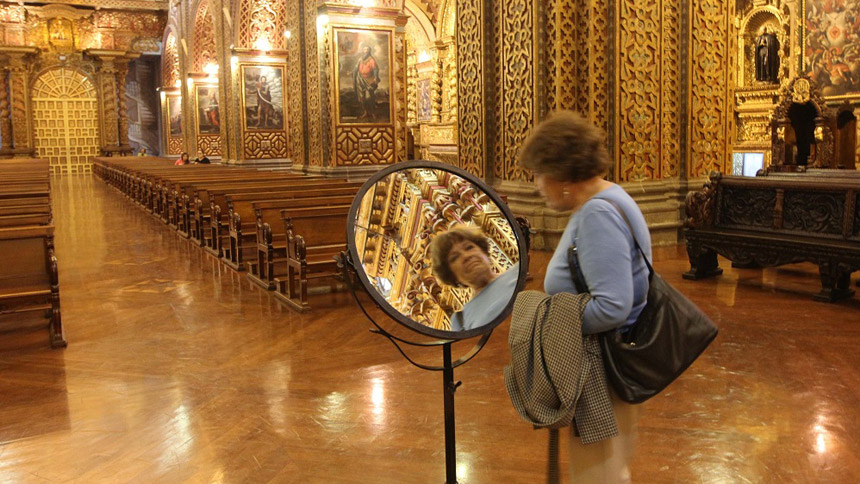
(142, 151)
(461, 257)
(183, 159)
(201, 159)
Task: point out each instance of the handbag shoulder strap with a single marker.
(632, 233)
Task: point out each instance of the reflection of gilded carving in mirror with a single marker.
(396, 221)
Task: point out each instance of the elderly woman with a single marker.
(566, 153)
(461, 257)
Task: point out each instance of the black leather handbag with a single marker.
(671, 332)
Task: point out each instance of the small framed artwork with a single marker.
(208, 113)
(174, 115)
(364, 69)
(263, 97)
(424, 106)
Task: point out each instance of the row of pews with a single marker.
(29, 281)
(283, 229)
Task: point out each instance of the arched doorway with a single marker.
(66, 120)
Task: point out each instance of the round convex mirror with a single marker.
(437, 249)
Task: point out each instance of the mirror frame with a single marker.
(383, 303)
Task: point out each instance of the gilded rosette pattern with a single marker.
(5, 121)
(710, 109)
(561, 25)
(670, 95)
(470, 90)
(19, 95)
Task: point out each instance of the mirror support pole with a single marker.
(450, 440)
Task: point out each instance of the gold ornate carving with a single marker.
(561, 63)
(412, 91)
(262, 19)
(209, 145)
(18, 94)
(364, 145)
(107, 85)
(204, 38)
(449, 94)
(314, 114)
(175, 145)
(122, 73)
(5, 120)
(639, 89)
(65, 118)
(399, 98)
(294, 74)
(170, 62)
(709, 85)
(519, 113)
(671, 66)
(470, 89)
(265, 145)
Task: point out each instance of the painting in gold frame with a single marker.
(263, 97)
(208, 113)
(174, 115)
(363, 62)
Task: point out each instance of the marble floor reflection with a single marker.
(180, 370)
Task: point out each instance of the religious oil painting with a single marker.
(208, 114)
(174, 115)
(424, 105)
(833, 45)
(363, 59)
(263, 97)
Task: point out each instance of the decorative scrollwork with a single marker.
(709, 111)
(470, 89)
(204, 38)
(814, 212)
(735, 207)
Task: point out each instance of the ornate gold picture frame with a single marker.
(363, 66)
(208, 110)
(263, 97)
(174, 116)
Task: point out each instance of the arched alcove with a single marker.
(261, 25)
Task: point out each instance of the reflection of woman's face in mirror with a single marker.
(471, 265)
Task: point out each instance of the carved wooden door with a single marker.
(66, 120)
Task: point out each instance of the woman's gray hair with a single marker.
(565, 147)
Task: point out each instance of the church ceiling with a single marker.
(433, 9)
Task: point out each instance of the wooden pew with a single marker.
(314, 237)
(243, 235)
(219, 238)
(29, 280)
(770, 221)
(272, 241)
(243, 223)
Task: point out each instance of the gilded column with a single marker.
(121, 75)
(437, 84)
(22, 135)
(5, 122)
(470, 86)
(297, 106)
(107, 85)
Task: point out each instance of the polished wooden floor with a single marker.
(179, 370)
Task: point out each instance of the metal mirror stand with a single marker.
(449, 386)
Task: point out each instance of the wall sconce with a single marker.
(211, 69)
(177, 83)
(322, 21)
(288, 34)
(424, 57)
